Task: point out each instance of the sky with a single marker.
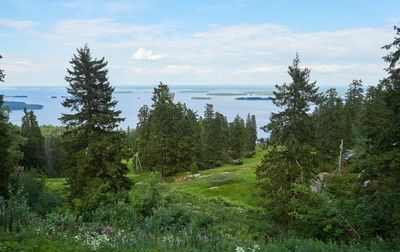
(197, 42)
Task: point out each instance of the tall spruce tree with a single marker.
(290, 160)
(33, 148)
(162, 143)
(93, 145)
(215, 137)
(5, 162)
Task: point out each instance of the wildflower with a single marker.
(239, 249)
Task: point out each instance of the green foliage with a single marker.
(15, 213)
(332, 123)
(5, 140)
(94, 149)
(39, 200)
(295, 98)
(53, 149)
(33, 148)
(16, 153)
(355, 100)
(215, 137)
(153, 196)
(291, 160)
(168, 135)
(251, 133)
(170, 138)
(237, 135)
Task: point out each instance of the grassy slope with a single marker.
(236, 184)
(231, 182)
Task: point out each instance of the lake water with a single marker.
(131, 98)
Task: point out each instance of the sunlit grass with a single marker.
(235, 183)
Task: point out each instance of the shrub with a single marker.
(152, 198)
(120, 215)
(168, 218)
(14, 212)
(237, 162)
(38, 199)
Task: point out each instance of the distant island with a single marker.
(227, 94)
(255, 98)
(14, 105)
(16, 96)
(200, 98)
(193, 91)
(123, 92)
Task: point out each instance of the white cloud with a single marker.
(186, 68)
(263, 70)
(257, 53)
(18, 24)
(143, 54)
(108, 29)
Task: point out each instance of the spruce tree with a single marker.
(237, 137)
(93, 145)
(215, 137)
(332, 124)
(33, 148)
(251, 132)
(290, 160)
(5, 140)
(354, 101)
(162, 143)
(142, 136)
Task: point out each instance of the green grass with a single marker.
(56, 184)
(234, 183)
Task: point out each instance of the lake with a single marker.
(131, 98)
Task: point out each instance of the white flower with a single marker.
(239, 249)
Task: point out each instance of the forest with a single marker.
(327, 177)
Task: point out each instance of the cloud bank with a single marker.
(239, 54)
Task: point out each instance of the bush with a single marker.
(249, 154)
(38, 199)
(237, 162)
(120, 215)
(166, 219)
(65, 220)
(15, 213)
(153, 198)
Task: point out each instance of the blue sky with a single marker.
(197, 42)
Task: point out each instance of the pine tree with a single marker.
(332, 124)
(294, 122)
(251, 132)
(378, 136)
(5, 162)
(290, 160)
(93, 145)
(33, 148)
(237, 137)
(188, 138)
(215, 137)
(142, 136)
(162, 143)
(354, 100)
